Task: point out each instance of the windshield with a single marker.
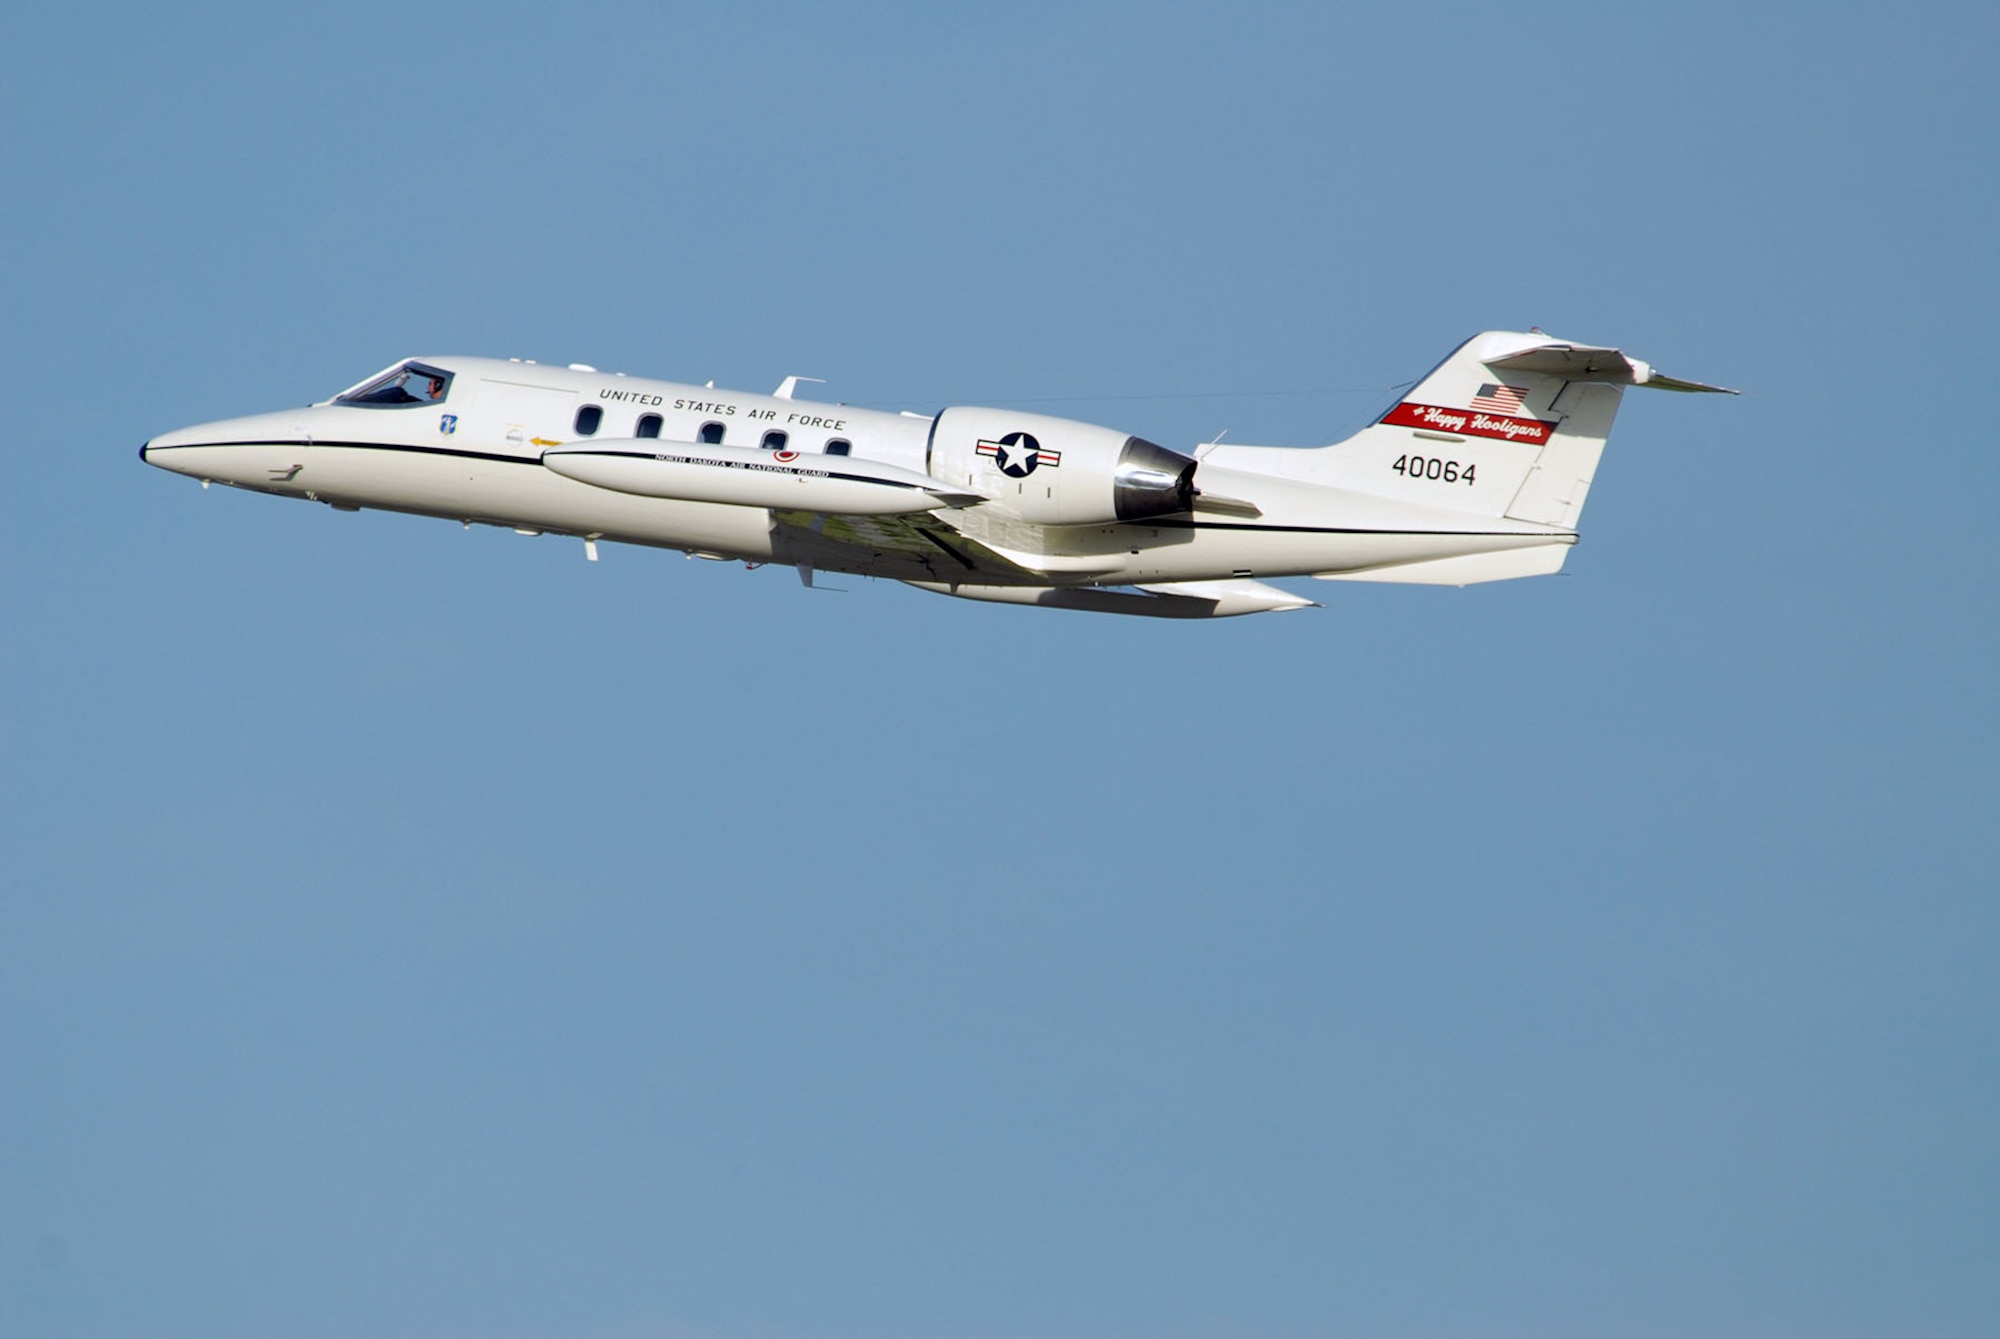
(404, 384)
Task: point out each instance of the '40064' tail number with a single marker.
(1430, 467)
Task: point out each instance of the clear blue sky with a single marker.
(419, 933)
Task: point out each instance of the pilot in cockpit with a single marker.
(403, 384)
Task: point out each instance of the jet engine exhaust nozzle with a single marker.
(1151, 480)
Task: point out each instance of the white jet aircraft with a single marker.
(1478, 473)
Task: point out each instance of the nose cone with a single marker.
(184, 451)
(160, 450)
(234, 451)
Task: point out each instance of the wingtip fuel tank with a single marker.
(784, 480)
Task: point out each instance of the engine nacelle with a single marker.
(1056, 471)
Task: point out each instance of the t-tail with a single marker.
(1509, 428)
(1545, 404)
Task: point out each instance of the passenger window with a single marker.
(711, 434)
(839, 446)
(587, 419)
(649, 426)
(774, 440)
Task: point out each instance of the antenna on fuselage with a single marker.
(790, 384)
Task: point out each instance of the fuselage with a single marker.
(464, 439)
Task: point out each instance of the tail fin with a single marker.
(1509, 425)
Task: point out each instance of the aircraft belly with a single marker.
(1221, 552)
(430, 484)
(525, 495)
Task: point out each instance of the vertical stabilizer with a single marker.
(1510, 425)
(1535, 433)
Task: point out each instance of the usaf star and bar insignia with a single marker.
(1018, 454)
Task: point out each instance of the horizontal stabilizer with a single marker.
(1659, 382)
(1579, 362)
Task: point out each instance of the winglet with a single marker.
(790, 384)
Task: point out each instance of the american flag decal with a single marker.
(1501, 399)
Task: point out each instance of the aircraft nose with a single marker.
(254, 452)
(182, 451)
(154, 451)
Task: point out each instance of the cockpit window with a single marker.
(405, 384)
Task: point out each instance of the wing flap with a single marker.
(905, 547)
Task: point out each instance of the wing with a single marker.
(915, 546)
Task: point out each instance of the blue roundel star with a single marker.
(1017, 455)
